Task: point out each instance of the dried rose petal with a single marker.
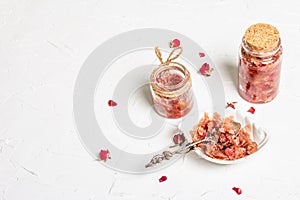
(104, 155)
(205, 69)
(251, 110)
(231, 105)
(179, 139)
(237, 190)
(163, 178)
(111, 103)
(174, 43)
(201, 54)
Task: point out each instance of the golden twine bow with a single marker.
(172, 56)
(166, 93)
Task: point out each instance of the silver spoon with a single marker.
(167, 155)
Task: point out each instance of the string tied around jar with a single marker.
(170, 85)
(174, 54)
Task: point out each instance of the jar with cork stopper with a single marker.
(259, 67)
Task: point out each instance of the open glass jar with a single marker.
(171, 90)
(260, 59)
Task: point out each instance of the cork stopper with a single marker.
(262, 37)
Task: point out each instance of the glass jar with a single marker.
(171, 90)
(260, 59)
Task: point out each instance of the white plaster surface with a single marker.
(42, 47)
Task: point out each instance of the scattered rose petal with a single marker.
(205, 69)
(201, 54)
(104, 155)
(231, 105)
(174, 43)
(111, 103)
(251, 110)
(237, 190)
(179, 139)
(163, 178)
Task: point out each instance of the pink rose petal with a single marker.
(231, 105)
(175, 43)
(111, 103)
(251, 110)
(104, 155)
(201, 54)
(163, 178)
(237, 190)
(179, 139)
(205, 69)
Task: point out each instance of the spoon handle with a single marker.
(167, 155)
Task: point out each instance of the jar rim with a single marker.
(170, 90)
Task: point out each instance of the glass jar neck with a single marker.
(172, 90)
(259, 54)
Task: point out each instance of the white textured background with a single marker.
(42, 47)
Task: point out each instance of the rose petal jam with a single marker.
(260, 59)
(171, 91)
